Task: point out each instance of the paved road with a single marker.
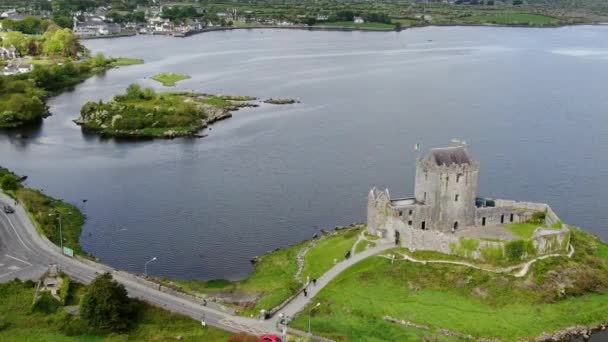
(26, 255)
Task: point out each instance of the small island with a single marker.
(281, 101)
(145, 113)
(169, 79)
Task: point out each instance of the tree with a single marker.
(9, 182)
(16, 39)
(105, 305)
(310, 21)
(517, 2)
(134, 91)
(26, 108)
(64, 43)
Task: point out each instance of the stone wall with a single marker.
(449, 190)
(385, 221)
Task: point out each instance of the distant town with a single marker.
(94, 18)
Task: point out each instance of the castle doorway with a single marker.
(455, 225)
(397, 237)
(483, 221)
(502, 218)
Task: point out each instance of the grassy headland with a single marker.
(557, 293)
(169, 79)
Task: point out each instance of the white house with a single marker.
(358, 20)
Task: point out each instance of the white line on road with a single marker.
(23, 261)
(15, 230)
(11, 272)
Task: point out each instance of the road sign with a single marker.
(68, 251)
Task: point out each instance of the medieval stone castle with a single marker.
(445, 208)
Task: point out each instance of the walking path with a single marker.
(524, 267)
(300, 301)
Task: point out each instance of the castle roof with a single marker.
(450, 155)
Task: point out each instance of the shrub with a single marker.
(105, 305)
(9, 182)
(514, 250)
(537, 218)
(492, 254)
(46, 303)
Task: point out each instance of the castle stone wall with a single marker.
(451, 190)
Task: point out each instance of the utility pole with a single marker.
(310, 312)
(146, 266)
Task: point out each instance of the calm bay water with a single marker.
(531, 103)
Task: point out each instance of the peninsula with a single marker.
(145, 113)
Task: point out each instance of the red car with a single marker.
(269, 338)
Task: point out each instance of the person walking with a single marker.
(305, 293)
(314, 282)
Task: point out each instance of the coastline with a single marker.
(336, 29)
(363, 29)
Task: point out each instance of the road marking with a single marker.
(11, 272)
(15, 230)
(15, 258)
(14, 268)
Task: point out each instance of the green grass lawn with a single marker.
(463, 299)
(523, 230)
(320, 258)
(169, 79)
(273, 280)
(363, 245)
(19, 323)
(512, 18)
(406, 21)
(124, 61)
(370, 25)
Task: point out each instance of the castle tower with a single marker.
(446, 182)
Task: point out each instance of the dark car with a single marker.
(8, 209)
(269, 338)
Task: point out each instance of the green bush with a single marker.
(492, 254)
(106, 306)
(64, 292)
(9, 182)
(46, 303)
(514, 250)
(537, 218)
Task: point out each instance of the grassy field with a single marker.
(124, 61)
(557, 293)
(320, 258)
(523, 230)
(512, 18)
(19, 323)
(169, 79)
(352, 24)
(273, 280)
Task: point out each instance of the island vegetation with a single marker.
(281, 101)
(169, 79)
(145, 113)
